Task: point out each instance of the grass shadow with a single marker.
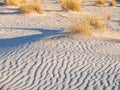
(7, 13)
(16, 41)
(2, 3)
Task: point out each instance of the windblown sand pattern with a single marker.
(36, 54)
(61, 64)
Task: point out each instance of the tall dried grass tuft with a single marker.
(61, 1)
(87, 24)
(73, 5)
(29, 8)
(108, 16)
(4, 0)
(113, 3)
(23, 1)
(101, 2)
(37, 0)
(84, 1)
(80, 27)
(12, 2)
(98, 23)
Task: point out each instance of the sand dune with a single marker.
(36, 53)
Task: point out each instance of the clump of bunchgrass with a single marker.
(61, 1)
(98, 23)
(12, 2)
(84, 1)
(31, 7)
(108, 16)
(81, 27)
(112, 3)
(23, 1)
(87, 24)
(100, 2)
(73, 5)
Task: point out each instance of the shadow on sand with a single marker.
(11, 42)
(7, 13)
(2, 3)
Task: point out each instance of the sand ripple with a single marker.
(61, 64)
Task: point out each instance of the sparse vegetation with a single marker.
(4, 0)
(84, 1)
(23, 1)
(61, 1)
(113, 3)
(108, 16)
(100, 2)
(73, 5)
(87, 24)
(81, 27)
(29, 8)
(98, 23)
(12, 2)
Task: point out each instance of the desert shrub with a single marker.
(101, 2)
(12, 2)
(98, 23)
(84, 1)
(36, 0)
(61, 1)
(29, 8)
(113, 3)
(23, 1)
(87, 24)
(79, 27)
(73, 5)
(108, 16)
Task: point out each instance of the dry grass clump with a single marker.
(23, 1)
(98, 23)
(4, 0)
(61, 1)
(12, 2)
(113, 3)
(73, 5)
(80, 27)
(108, 16)
(84, 1)
(87, 24)
(37, 0)
(29, 8)
(101, 2)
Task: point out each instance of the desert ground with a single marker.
(38, 51)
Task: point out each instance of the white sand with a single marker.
(37, 54)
